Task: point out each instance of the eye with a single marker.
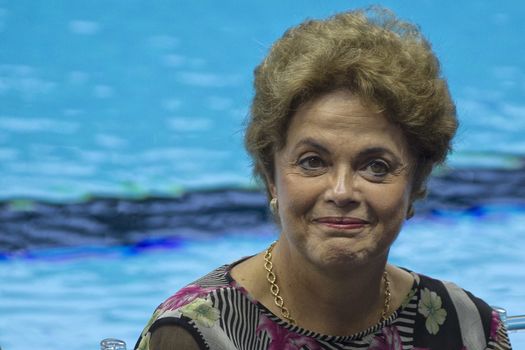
(377, 168)
(311, 163)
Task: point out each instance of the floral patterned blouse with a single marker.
(220, 314)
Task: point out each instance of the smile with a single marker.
(343, 223)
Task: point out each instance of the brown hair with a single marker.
(383, 60)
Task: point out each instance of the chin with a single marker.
(337, 255)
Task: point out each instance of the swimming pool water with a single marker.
(127, 99)
(77, 298)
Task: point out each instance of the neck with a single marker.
(343, 302)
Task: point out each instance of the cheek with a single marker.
(391, 201)
(297, 196)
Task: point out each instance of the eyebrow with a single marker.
(378, 150)
(312, 143)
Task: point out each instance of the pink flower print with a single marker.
(389, 339)
(495, 324)
(185, 296)
(283, 339)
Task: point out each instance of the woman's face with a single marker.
(343, 181)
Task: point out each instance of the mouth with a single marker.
(344, 223)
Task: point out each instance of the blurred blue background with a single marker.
(123, 175)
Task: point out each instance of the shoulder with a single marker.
(454, 298)
(181, 316)
(454, 314)
(198, 289)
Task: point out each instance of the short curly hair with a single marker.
(386, 62)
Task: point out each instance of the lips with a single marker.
(341, 222)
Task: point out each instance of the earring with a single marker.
(410, 211)
(274, 206)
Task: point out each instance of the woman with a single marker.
(350, 115)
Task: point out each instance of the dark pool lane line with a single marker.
(28, 225)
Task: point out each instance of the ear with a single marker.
(410, 211)
(270, 184)
(272, 189)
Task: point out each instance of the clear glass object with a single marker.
(112, 344)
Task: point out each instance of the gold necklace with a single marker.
(279, 301)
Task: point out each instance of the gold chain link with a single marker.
(279, 301)
(274, 288)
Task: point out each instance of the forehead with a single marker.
(341, 117)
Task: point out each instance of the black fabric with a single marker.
(183, 322)
(449, 335)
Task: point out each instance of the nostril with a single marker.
(342, 193)
(342, 198)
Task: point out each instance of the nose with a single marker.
(342, 189)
